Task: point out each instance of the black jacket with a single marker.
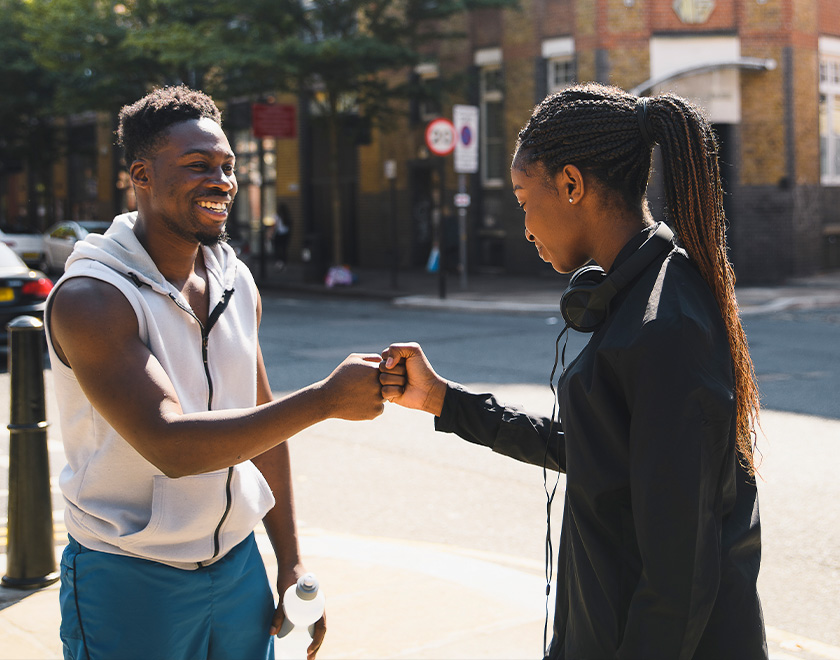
(660, 545)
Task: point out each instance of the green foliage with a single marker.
(104, 54)
(26, 102)
(350, 56)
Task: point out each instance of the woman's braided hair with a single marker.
(609, 133)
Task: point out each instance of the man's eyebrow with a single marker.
(207, 153)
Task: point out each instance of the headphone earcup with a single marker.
(581, 306)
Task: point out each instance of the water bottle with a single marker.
(303, 605)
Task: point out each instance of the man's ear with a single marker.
(570, 184)
(139, 173)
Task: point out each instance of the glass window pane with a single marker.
(836, 172)
(835, 116)
(491, 80)
(495, 160)
(495, 125)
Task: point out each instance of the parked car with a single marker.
(23, 291)
(26, 245)
(61, 237)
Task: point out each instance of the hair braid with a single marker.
(596, 128)
(694, 197)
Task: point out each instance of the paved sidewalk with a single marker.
(441, 592)
(456, 604)
(538, 294)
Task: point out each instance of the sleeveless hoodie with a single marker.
(117, 501)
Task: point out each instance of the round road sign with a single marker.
(440, 136)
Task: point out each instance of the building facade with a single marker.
(767, 72)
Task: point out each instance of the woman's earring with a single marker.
(571, 201)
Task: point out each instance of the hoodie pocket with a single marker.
(184, 516)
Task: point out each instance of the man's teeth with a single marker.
(213, 206)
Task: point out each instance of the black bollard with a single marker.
(31, 548)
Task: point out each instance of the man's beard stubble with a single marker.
(212, 240)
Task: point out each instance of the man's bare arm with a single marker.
(94, 330)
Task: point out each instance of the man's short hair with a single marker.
(144, 122)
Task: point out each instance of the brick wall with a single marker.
(829, 17)
(776, 206)
(555, 18)
(485, 28)
(761, 18)
(760, 234)
(663, 18)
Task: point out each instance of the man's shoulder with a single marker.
(86, 295)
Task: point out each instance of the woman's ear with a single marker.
(570, 183)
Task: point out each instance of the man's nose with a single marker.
(530, 236)
(224, 180)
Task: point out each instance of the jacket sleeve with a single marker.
(481, 419)
(680, 396)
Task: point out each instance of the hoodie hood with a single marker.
(119, 249)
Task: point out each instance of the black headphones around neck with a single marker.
(585, 302)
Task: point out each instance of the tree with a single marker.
(347, 56)
(352, 57)
(26, 132)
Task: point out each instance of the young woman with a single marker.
(660, 545)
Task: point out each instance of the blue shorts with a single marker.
(114, 606)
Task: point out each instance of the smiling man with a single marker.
(175, 447)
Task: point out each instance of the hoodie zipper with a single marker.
(205, 341)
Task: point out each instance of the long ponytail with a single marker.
(694, 201)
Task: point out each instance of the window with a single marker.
(561, 73)
(559, 56)
(427, 107)
(829, 112)
(492, 125)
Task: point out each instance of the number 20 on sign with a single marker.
(440, 137)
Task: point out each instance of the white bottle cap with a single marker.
(307, 586)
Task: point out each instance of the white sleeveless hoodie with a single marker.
(117, 501)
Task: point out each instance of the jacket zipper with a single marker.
(205, 341)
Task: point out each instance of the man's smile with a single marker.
(216, 207)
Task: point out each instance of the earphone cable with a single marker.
(549, 552)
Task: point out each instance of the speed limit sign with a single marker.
(440, 136)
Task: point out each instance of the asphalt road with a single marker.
(396, 478)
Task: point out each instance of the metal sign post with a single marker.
(465, 120)
(441, 139)
(391, 175)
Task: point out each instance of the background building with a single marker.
(766, 71)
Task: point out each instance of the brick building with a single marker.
(766, 71)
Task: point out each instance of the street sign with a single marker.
(273, 120)
(390, 169)
(440, 136)
(465, 120)
(462, 200)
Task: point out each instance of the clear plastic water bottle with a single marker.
(303, 605)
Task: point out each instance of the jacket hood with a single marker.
(119, 249)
